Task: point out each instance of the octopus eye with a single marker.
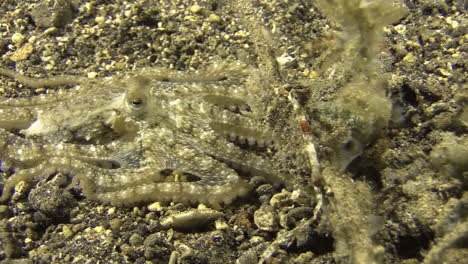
(136, 102)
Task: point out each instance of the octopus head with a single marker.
(137, 96)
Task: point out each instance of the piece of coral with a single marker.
(451, 157)
(149, 135)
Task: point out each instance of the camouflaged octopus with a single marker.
(149, 135)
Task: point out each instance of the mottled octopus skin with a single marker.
(148, 135)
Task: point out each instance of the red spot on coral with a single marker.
(282, 92)
(304, 126)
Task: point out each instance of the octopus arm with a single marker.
(16, 118)
(214, 72)
(86, 116)
(88, 170)
(26, 175)
(184, 192)
(205, 181)
(245, 163)
(45, 82)
(16, 151)
(176, 174)
(42, 101)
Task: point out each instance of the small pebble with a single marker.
(191, 219)
(266, 219)
(221, 225)
(136, 240)
(39, 90)
(213, 18)
(127, 250)
(67, 232)
(155, 207)
(92, 75)
(5, 212)
(111, 211)
(17, 38)
(115, 224)
(196, 9)
(22, 53)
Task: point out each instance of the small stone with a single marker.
(155, 207)
(266, 219)
(52, 14)
(5, 212)
(40, 90)
(22, 53)
(152, 240)
(99, 229)
(51, 31)
(150, 215)
(284, 59)
(240, 238)
(49, 198)
(18, 39)
(127, 250)
(248, 256)
(42, 249)
(92, 75)
(196, 9)
(111, 211)
(300, 197)
(282, 199)
(49, 66)
(255, 240)
(77, 228)
(100, 19)
(293, 217)
(306, 257)
(137, 211)
(213, 18)
(401, 29)
(243, 219)
(20, 190)
(115, 224)
(67, 232)
(136, 240)
(409, 58)
(265, 192)
(221, 225)
(444, 72)
(11, 245)
(191, 219)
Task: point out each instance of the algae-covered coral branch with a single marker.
(362, 23)
(358, 114)
(360, 110)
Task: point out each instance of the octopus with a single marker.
(148, 135)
